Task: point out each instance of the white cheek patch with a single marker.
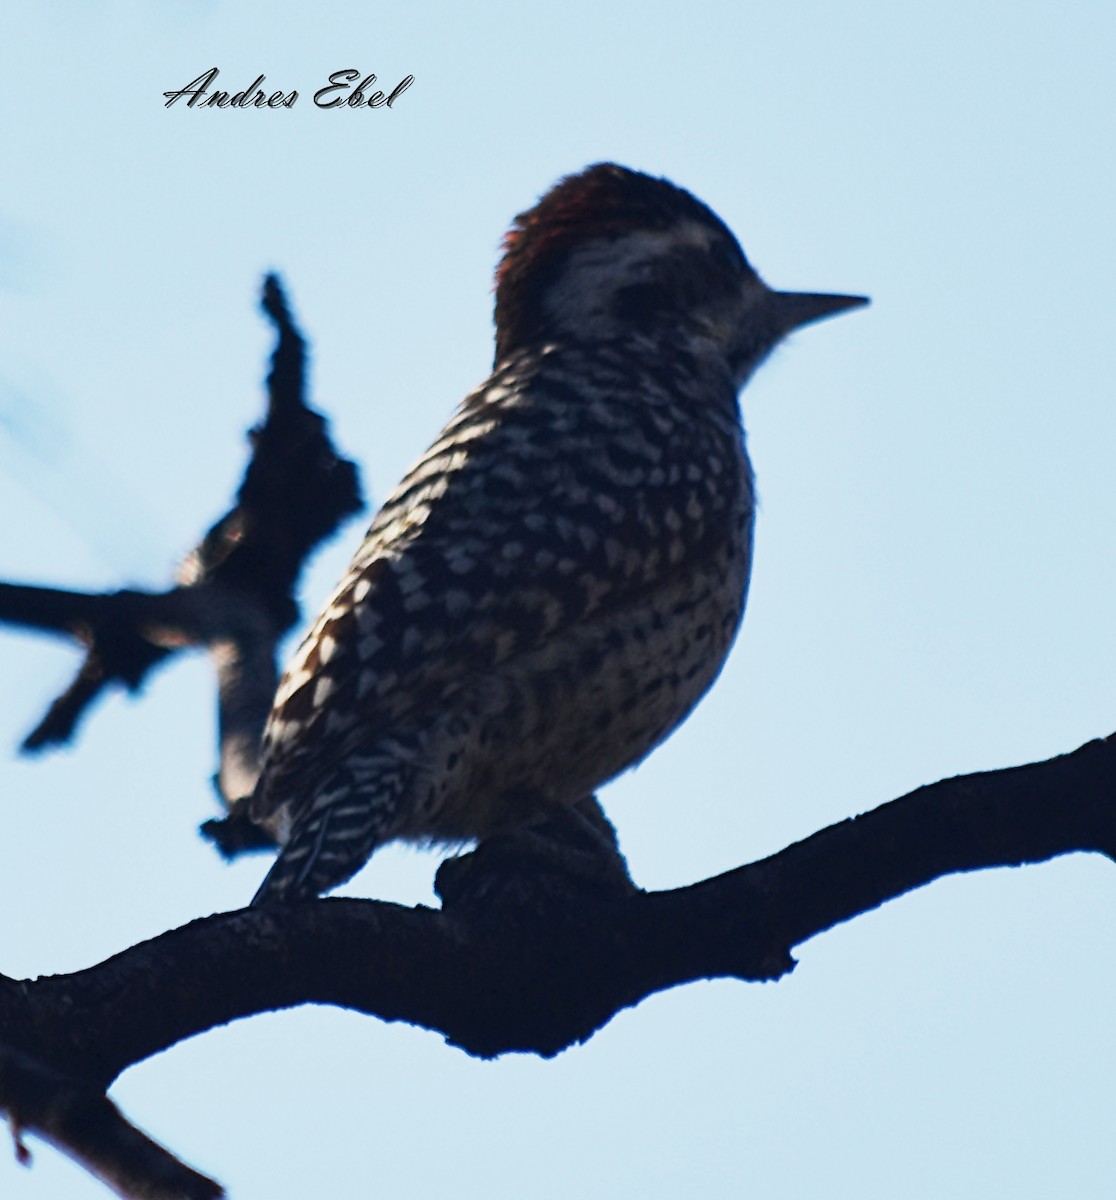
(595, 272)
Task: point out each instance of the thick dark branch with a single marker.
(540, 942)
(525, 958)
(82, 1122)
(235, 592)
(1006, 818)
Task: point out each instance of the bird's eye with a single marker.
(725, 256)
(640, 302)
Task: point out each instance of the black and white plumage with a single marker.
(557, 581)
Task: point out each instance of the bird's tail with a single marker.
(332, 841)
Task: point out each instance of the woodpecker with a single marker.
(557, 581)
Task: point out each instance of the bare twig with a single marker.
(236, 589)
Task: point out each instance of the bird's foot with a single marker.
(571, 853)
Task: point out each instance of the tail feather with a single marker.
(332, 841)
(322, 854)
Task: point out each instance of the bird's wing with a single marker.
(533, 511)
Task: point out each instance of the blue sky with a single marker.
(933, 590)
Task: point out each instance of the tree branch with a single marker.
(525, 956)
(235, 591)
(82, 1122)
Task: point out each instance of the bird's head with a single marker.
(610, 252)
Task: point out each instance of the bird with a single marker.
(558, 580)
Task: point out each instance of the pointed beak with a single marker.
(794, 309)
